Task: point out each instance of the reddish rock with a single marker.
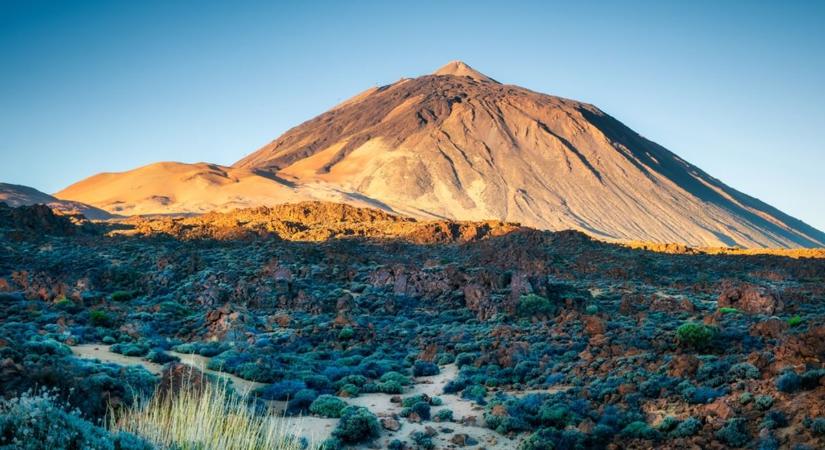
(594, 325)
(771, 328)
(683, 366)
(750, 298)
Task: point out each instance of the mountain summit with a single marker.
(461, 69)
(457, 144)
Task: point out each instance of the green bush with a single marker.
(728, 310)
(531, 305)
(444, 415)
(640, 430)
(346, 334)
(327, 406)
(357, 425)
(350, 390)
(122, 296)
(389, 387)
(100, 318)
(795, 321)
(696, 335)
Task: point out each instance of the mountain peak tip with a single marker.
(461, 69)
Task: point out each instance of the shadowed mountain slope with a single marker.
(15, 195)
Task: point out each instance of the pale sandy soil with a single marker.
(316, 429)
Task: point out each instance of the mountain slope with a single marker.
(172, 187)
(17, 195)
(457, 144)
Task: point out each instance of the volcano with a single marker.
(457, 144)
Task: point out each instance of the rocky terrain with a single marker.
(436, 334)
(458, 145)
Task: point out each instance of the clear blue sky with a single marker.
(88, 86)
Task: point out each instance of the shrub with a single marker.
(422, 440)
(810, 379)
(640, 430)
(424, 369)
(696, 335)
(357, 425)
(669, 423)
(301, 401)
(743, 371)
(351, 390)
(774, 419)
(788, 382)
(37, 421)
(728, 310)
(47, 347)
(531, 305)
(795, 321)
(395, 376)
(687, 428)
(704, 394)
(318, 382)
(465, 359)
(817, 426)
(444, 415)
(122, 296)
(389, 387)
(591, 309)
(282, 390)
(475, 393)
(158, 356)
(346, 334)
(327, 406)
(422, 409)
(764, 402)
(734, 433)
(99, 318)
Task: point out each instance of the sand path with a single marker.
(316, 429)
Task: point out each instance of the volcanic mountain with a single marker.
(457, 144)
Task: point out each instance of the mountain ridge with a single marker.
(456, 144)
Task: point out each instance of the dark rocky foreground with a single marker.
(654, 350)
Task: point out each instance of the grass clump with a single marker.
(209, 416)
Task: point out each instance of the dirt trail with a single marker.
(316, 429)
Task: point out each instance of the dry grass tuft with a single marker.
(209, 416)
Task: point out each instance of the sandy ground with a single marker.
(316, 429)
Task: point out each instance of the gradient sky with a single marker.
(737, 88)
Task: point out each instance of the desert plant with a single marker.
(696, 335)
(424, 369)
(36, 420)
(357, 425)
(100, 318)
(795, 321)
(788, 382)
(327, 406)
(533, 305)
(209, 416)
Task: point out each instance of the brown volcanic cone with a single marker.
(457, 144)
